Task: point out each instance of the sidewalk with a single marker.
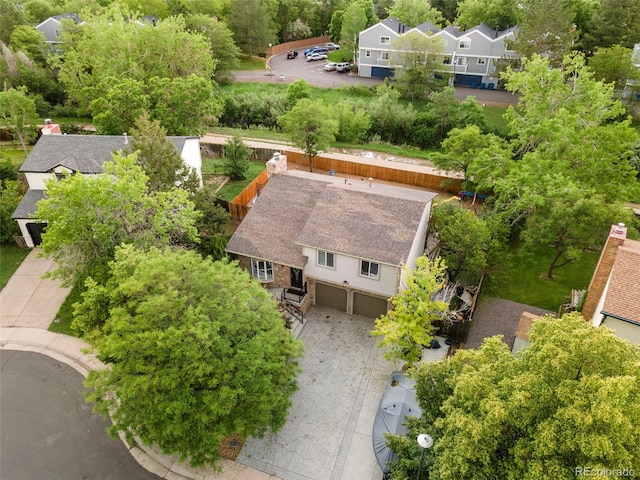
(28, 305)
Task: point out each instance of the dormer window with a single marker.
(464, 43)
(385, 40)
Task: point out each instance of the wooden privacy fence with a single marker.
(307, 42)
(239, 206)
(389, 173)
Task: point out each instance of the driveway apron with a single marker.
(328, 432)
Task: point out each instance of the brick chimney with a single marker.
(617, 236)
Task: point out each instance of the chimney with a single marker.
(50, 128)
(126, 139)
(617, 236)
(276, 164)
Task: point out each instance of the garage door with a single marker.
(368, 306)
(332, 297)
(36, 230)
(381, 72)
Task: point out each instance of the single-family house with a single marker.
(56, 156)
(52, 27)
(613, 297)
(468, 54)
(332, 241)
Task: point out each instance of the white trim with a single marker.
(261, 270)
(324, 262)
(369, 268)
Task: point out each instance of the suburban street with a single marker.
(48, 431)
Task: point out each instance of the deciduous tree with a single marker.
(89, 216)
(311, 126)
(18, 115)
(251, 25)
(408, 326)
(568, 400)
(499, 14)
(237, 158)
(419, 57)
(106, 51)
(196, 351)
(415, 12)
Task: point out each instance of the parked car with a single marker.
(343, 67)
(332, 46)
(330, 67)
(316, 56)
(309, 51)
(292, 54)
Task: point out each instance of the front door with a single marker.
(296, 278)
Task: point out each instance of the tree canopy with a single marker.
(107, 49)
(569, 400)
(88, 216)
(408, 326)
(18, 115)
(311, 126)
(196, 352)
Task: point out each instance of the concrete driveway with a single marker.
(328, 432)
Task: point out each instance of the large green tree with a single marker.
(311, 126)
(108, 49)
(615, 22)
(196, 351)
(569, 400)
(546, 27)
(419, 57)
(183, 106)
(249, 20)
(614, 65)
(499, 14)
(223, 47)
(18, 115)
(354, 20)
(415, 12)
(88, 216)
(467, 242)
(408, 326)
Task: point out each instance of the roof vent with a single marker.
(619, 228)
(126, 139)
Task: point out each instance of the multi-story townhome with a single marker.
(470, 55)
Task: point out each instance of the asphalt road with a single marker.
(47, 431)
(286, 70)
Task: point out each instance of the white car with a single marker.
(331, 66)
(316, 56)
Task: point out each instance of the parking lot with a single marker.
(328, 432)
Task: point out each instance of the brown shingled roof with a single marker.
(623, 295)
(297, 208)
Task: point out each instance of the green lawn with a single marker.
(520, 278)
(62, 322)
(232, 189)
(495, 122)
(11, 256)
(13, 152)
(252, 63)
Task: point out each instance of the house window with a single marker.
(482, 61)
(384, 55)
(369, 269)
(464, 44)
(446, 60)
(58, 33)
(385, 40)
(261, 270)
(367, 53)
(326, 259)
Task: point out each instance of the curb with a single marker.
(77, 354)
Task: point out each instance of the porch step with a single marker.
(296, 329)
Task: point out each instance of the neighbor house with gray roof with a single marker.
(469, 55)
(56, 156)
(332, 241)
(52, 28)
